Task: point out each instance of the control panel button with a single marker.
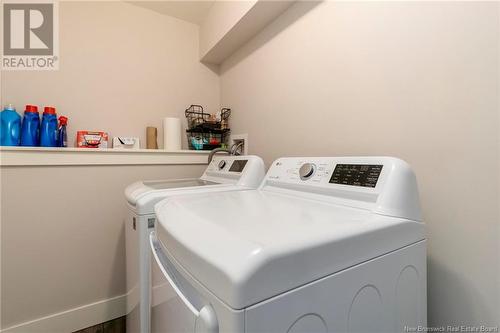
(306, 170)
(222, 164)
(365, 175)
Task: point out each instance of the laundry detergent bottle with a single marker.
(48, 130)
(30, 130)
(10, 127)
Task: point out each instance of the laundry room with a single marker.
(249, 166)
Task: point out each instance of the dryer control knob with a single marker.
(222, 164)
(306, 170)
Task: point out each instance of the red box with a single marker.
(89, 139)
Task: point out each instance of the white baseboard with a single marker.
(74, 319)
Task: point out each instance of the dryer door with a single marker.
(176, 306)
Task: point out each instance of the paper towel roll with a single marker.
(172, 134)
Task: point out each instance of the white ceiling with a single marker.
(191, 11)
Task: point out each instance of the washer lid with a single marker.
(247, 246)
(224, 173)
(142, 196)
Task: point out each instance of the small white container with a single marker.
(122, 142)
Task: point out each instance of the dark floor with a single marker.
(113, 326)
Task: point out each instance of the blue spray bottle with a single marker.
(62, 136)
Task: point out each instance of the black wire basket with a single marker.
(206, 131)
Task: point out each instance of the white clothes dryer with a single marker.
(324, 245)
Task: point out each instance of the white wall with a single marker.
(416, 80)
(122, 68)
(63, 235)
(220, 19)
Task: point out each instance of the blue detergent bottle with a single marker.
(10, 127)
(30, 130)
(48, 130)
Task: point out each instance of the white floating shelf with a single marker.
(40, 156)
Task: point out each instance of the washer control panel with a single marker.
(238, 165)
(228, 165)
(221, 164)
(247, 170)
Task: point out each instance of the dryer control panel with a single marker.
(385, 184)
(291, 170)
(365, 175)
(327, 171)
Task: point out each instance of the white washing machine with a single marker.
(224, 173)
(324, 245)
